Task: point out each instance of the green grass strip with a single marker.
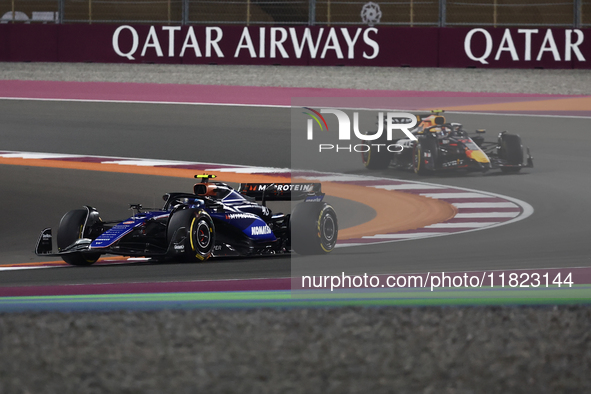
(284, 298)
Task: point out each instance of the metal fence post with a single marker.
(185, 11)
(247, 12)
(60, 11)
(577, 14)
(311, 12)
(442, 12)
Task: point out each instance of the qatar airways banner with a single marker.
(515, 48)
(268, 45)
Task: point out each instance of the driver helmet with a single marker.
(439, 131)
(205, 189)
(456, 127)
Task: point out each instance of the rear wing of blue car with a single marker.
(281, 191)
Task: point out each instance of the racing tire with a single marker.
(69, 231)
(418, 159)
(376, 160)
(511, 150)
(314, 228)
(200, 239)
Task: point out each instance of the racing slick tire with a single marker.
(69, 231)
(200, 239)
(511, 150)
(376, 159)
(418, 160)
(314, 228)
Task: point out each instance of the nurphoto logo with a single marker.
(401, 121)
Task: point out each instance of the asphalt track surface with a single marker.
(556, 235)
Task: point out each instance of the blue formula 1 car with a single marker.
(215, 220)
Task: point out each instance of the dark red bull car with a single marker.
(442, 146)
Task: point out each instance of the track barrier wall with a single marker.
(299, 45)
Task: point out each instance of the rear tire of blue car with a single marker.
(314, 228)
(200, 230)
(69, 231)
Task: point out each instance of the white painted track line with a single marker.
(251, 170)
(147, 163)
(461, 225)
(482, 215)
(485, 205)
(34, 155)
(454, 195)
(409, 186)
(402, 236)
(340, 178)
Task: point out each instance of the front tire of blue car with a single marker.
(314, 228)
(70, 230)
